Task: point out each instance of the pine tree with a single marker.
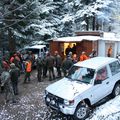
(114, 24)
(89, 14)
(29, 20)
(12, 11)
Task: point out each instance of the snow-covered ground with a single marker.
(108, 111)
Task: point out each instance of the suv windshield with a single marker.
(34, 51)
(81, 74)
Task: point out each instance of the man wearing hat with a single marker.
(14, 74)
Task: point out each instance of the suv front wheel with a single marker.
(116, 90)
(81, 112)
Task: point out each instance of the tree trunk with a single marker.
(87, 21)
(12, 44)
(94, 23)
(0, 40)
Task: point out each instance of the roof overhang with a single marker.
(110, 39)
(77, 39)
(108, 36)
(95, 36)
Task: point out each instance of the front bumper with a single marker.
(68, 110)
(54, 105)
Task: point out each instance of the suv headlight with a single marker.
(68, 102)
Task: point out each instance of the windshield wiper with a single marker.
(82, 81)
(85, 81)
(69, 77)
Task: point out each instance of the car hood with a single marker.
(67, 89)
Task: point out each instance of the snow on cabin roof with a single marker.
(110, 39)
(110, 36)
(77, 38)
(106, 36)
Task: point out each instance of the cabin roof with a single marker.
(105, 36)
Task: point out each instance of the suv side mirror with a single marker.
(98, 82)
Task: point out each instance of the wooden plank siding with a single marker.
(84, 45)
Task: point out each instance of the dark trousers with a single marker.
(44, 71)
(27, 76)
(15, 87)
(39, 75)
(109, 55)
(58, 71)
(2, 89)
(51, 73)
(65, 72)
(9, 93)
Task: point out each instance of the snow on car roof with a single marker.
(96, 62)
(35, 46)
(77, 38)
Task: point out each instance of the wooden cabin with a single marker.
(86, 41)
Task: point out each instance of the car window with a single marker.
(81, 74)
(102, 74)
(34, 51)
(115, 67)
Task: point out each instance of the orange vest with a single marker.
(83, 57)
(28, 66)
(110, 51)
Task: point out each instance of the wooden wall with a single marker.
(84, 45)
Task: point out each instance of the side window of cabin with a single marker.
(42, 50)
(115, 67)
(102, 74)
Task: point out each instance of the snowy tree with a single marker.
(49, 18)
(91, 14)
(13, 16)
(29, 20)
(114, 24)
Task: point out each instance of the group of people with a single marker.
(11, 68)
(50, 63)
(51, 66)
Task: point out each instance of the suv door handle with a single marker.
(107, 82)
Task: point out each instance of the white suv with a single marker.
(37, 50)
(87, 83)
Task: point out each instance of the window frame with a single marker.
(100, 74)
(115, 70)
